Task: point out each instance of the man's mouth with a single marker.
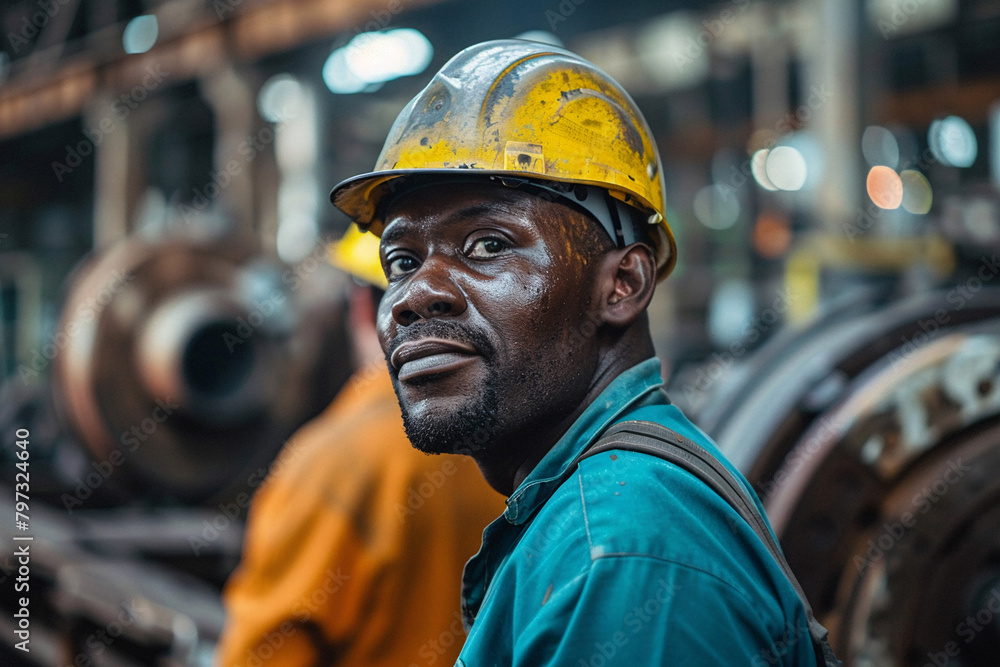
(430, 356)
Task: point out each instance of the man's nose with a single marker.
(430, 292)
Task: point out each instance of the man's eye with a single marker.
(400, 266)
(487, 247)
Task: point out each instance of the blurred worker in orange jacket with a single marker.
(354, 549)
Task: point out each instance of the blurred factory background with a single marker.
(168, 318)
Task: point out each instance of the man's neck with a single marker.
(505, 475)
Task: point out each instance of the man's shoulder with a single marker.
(623, 504)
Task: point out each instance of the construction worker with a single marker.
(355, 544)
(520, 204)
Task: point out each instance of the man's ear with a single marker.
(628, 278)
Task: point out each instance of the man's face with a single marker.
(486, 319)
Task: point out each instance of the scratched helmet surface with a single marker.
(525, 109)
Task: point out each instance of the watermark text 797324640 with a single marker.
(22, 542)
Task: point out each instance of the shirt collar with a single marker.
(634, 386)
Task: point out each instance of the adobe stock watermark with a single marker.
(893, 531)
(380, 17)
(712, 29)
(606, 478)
(818, 96)
(903, 12)
(85, 313)
(968, 629)
(233, 510)
(302, 611)
(634, 621)
(264, 308)
(958, 296)
(562, 12)
(420, 492)
(101, 639)
(709, 374)
(31, 26)
(869, 215)
(792, 635)
(122, 107)
(131, 439)
(248, 150)
(828, 429)
(245, 327)
(435, 647)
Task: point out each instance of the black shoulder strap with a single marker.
(657, 440)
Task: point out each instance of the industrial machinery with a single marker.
(872, 436)
(180, 368)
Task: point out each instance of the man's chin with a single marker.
(452, 436)
(450, 427)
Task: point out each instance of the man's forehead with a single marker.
(444, 204)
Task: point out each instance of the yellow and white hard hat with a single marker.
(525, 112)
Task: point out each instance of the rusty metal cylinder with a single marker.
(188, 363)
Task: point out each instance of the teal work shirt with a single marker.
(628, 561)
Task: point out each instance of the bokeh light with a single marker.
(953, 142)
(280, 98)
(339, 77)
(716, 207)
(297, 237)
(917, 193)
(879, 146)
(757, 168)
(786, 168)
(885, 187)
(772, 235)
(730, 312)
(373, 58)
(140, 34)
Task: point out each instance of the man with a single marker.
(519, 201)
(355, 544)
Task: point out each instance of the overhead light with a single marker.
(373, 58)
(140, 34)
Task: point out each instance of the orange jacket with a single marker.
(355, 545)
